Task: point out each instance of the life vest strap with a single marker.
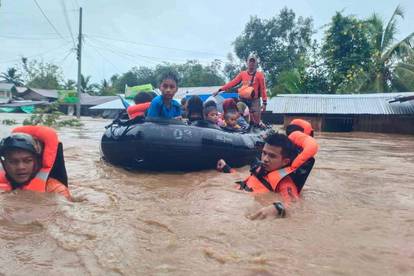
(243, 186)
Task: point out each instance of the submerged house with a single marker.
(6, 92)
(379, 112)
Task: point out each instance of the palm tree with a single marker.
(105, 89)
(69, 85)
(87, 87)
(12, 76)
(388, 57)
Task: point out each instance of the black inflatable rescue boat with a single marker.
(159, 144)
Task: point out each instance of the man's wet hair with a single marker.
(170, 75)
(282, 141)
(142, 97)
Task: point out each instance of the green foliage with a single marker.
(191, 73)
(50, 116)
(346, 50)
(233, 67)
(132, 78)
(362, 56)
(9, 122)
(105, 89)
(67, 96)
(280, 42)
(69, 85)
(88, 87)
(42, 75)
(12, 76)
(289, 82)
(391, 68)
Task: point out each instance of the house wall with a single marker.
(369, 123)
(5, 96)
(386, 124)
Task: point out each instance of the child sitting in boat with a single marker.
(230, 119)
(142, 103)
(210, 115)
(229, 105)
(194, 109)
(210, 112)
(164, 106)
(244, 111)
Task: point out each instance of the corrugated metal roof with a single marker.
(24, 103)
(48, 93)
(87, 99)
(113, 105)
(375, 104)
(21, 89)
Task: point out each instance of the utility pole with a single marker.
(79, 56)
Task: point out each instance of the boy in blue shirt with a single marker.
(164, 106)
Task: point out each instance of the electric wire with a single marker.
(48, 20)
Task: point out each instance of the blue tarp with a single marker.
(204, 97)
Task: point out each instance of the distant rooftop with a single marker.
(374, 104)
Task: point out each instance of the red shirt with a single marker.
(259, 83)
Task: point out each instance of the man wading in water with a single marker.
(281, 169)
(32, 159)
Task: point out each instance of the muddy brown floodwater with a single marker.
(356, 216)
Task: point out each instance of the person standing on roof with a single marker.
(253, 87)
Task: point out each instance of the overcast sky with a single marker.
(161, 30)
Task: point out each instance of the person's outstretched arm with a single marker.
(222, 166)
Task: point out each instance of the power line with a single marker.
(111, 48)
(50, 23)
(28, 38)
(151, 58)
(122, 54)
(156, 46)
(36, 55)
(70, 51)
(65, 13)
(103, 57)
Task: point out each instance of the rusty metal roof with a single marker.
(374, 104)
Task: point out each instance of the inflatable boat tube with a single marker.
(159, 144)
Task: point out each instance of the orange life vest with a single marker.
(50, 140)
(308, 145)
(256, 185)
(137, 110)
(307, 127)
(309, 148)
